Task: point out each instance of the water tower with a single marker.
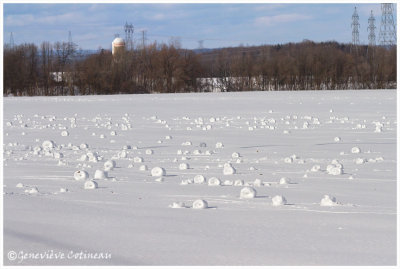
(118, 46)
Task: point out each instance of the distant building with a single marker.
(118, 46)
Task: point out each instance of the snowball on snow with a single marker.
(235, 155)
(334, 169)
(229, 169)
(228, 182)
(196, 152)
(149, 152)
(177, 205)
(238, 182)
(158, 172)
(99, 174)
(90, 185)
(83, 146)
(64, 133)
(219, 145)
(337, 139)
(257, 182)
(200, 204)
(183, 166)
(278, 200)
(143, 167)
(288, 160)
(138, 160)
(248, 193)
(48, 144)
(32, 190)
(284, 180)
(328, 201)
(213, 181)
(360, 160)
(355, 150)
(58, 155)
(81, 175)
(19, 185)
(199, 179)
(109, 165)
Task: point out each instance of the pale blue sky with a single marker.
(219, 25)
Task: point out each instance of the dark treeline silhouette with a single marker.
(56, 69)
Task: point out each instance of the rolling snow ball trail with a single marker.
(249, 178)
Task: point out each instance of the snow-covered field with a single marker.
(257, 178)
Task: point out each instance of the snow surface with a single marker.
(141, 220)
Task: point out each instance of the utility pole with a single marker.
(143, 38)
(11, 44)
(387, 31)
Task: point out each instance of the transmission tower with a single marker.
(387, 31)
(71, 44)
(128, 35)
(371, 29)
(355, 25)
(201, 42)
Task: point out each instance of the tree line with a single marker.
(61, 69)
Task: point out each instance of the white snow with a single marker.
(135, 215)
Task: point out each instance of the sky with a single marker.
(94, 25)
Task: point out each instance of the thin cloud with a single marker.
(19, 20)
(366, 10)
(282, 18)
(268, 7)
